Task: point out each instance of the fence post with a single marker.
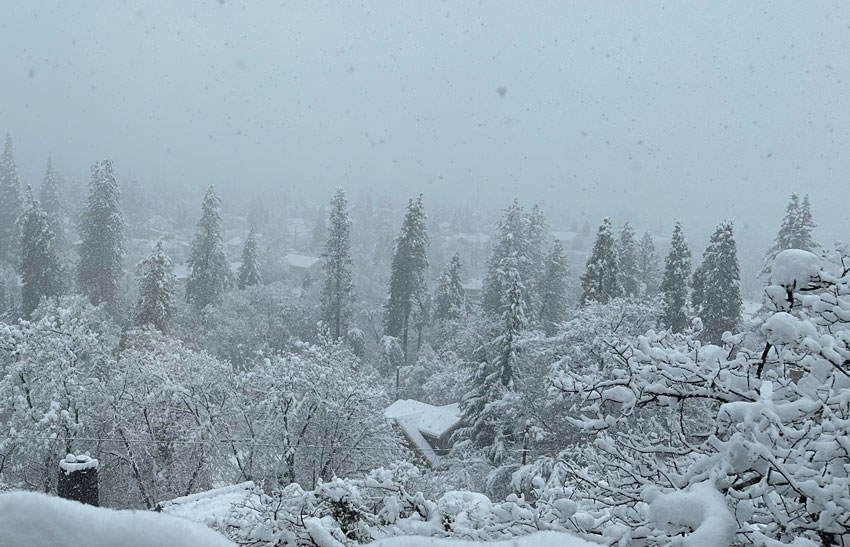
(78, 479)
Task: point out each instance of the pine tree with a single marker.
(627, 261)
(553, 289)
(209, 274)
(533, 268)
(101, 263)
(320, 231)
(718, 302)
(674, 284)
(795, 232)
(41, 273)
(338, 289)
(648, 266)
(249, 269)
(10, 203)
(450, 297)
(488, 425)
(407, 277)
(601, 279)
(510, 234)
(803, 227)
(50, 203)
(155, 306)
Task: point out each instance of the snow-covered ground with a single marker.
(31, 519)
(540, 539)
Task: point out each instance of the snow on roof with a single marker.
(473, 284)
(38, 520)
(300, 261)
(417, 419)
(211, 506)
(236, 241)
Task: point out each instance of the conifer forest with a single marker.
(443, 275)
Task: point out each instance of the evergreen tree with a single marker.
(50, 203)
(320, 231)
(407, 277)
(648, 267)
(510, 234)
(450, 297)
(338, 289)
(553, 289)
(601, 279)
(155, 306)
(101, 263)
(795, 232)
(487, 418)
(718, 301)
(627, 261)
(10, 203)
(674, 284)
(249, 270)
(534, 253)
(209, 274)
(41, 273)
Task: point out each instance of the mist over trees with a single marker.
(593, 383)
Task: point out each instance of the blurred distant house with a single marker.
(300, 265)
(472, 288)
(426, 428)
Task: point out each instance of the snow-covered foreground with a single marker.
(37, 520)
(540, 539)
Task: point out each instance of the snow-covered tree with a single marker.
(648, 267)
(795, 231)
(41, 272)
(601, 279)
(10, 203)
(407, 284)
(489, 422)
(675, 282)
(696, 444)
(628, 261)
(450, 297)
(249, 270)
(553, 289)
(338, 288)
(101, 262)
(209, 274)
(51, 204)
(719, 302)
(155, 306)
(521, 238)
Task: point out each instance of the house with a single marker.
(473, 288)
(426, 428)
(300, 265)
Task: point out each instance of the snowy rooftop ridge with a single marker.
(300, 261)
(418, 419)
(209, 506)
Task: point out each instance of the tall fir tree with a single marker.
(675, 282)
(41, 272)
(718, 302)
(209, 271)
(450, 296)
(338, 288)
(101, 262)
(535, 245)
(553, 289)
(601, 279)
(627, 261)
(487, 420)
(51, 204)
(249, 270)
(648, 267)
(795, 232)
(407, 285)
(10, 204)
(509, 242)
(320, 231)
(155, 306)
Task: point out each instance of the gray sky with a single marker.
(654, 110)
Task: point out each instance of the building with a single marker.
(426, 428)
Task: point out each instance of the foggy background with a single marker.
(646, 111)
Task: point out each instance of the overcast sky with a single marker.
(655, 110)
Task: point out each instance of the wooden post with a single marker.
(78, 479)
(525, 444)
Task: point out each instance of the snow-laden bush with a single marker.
(676, 424)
